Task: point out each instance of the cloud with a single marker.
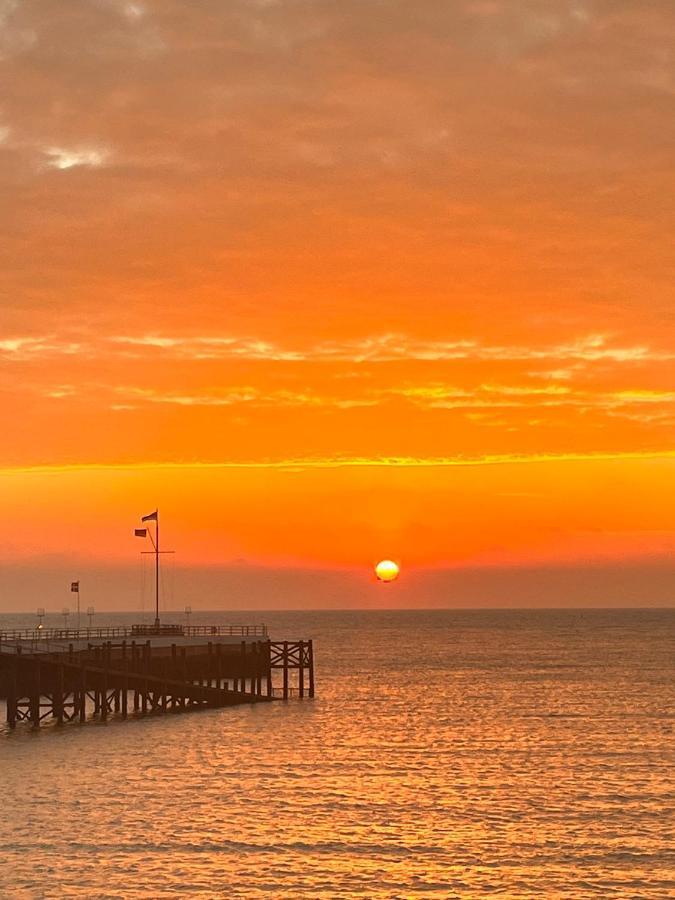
(61, 158)
(464, 205)
(301, 463)
(506, 396)
(485, 404)
(393, 347)
(240, 396)
(202, 348)
(370, 349)
(45, 346)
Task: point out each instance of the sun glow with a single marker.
(387, 570)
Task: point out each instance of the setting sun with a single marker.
(387, 570)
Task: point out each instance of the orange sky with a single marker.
(366, 279)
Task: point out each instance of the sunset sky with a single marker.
(335, 280)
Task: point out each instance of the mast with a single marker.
(157, 569)
(145, 532)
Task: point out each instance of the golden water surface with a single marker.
(447, 755)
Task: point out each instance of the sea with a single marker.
(447, 754)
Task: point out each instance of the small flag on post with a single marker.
(75, 587)
(151, 517)
(140, 532)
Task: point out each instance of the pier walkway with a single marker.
(157, 670)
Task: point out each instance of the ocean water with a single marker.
(447, 755)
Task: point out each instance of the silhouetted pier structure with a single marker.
(70, 676)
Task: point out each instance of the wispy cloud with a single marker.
(44, 346)
(235, 396)
(486, 404)
(299, 464)
(372, 349)
(393, 347)
(203, 348)
(63, 158)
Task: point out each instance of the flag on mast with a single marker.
(151, 517)
(75, 587)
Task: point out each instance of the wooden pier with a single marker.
(141, 670)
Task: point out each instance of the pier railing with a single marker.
(49, 680)
(11, 636)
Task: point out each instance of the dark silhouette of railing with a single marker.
(125, 631)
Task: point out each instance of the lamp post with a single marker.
(75, 589)
(65, 612)
(188, 613)
(40, 615)
(90, 613)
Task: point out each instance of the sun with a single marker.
(387, 570)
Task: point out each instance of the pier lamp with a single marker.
(188, 613)
(40, 615)
(90, 613)
(65, 612)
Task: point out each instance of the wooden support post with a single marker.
(285, 670)
(258, 668)
(57, 696)
(35, 697)
(219, 666)
(268, 665)
(11, 695)
(301, 669)
(134, 669)
(125, 685)
(83, 694)
(243, 667)
(311, 668)
(144, 690)
(104, 687)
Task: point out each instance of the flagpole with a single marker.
(78, 606)
(145, 533)
(157, 571)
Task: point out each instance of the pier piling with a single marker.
(68, 681)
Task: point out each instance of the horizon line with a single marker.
(350, 609)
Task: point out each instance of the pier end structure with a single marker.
(74, 675)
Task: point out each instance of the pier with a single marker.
(97, 673)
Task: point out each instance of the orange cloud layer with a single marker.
(300, 240)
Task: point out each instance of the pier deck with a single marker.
(146, 670)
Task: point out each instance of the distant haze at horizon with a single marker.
(241, 588)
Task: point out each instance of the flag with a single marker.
(140, 532)
(75, 587)
(151, 517)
